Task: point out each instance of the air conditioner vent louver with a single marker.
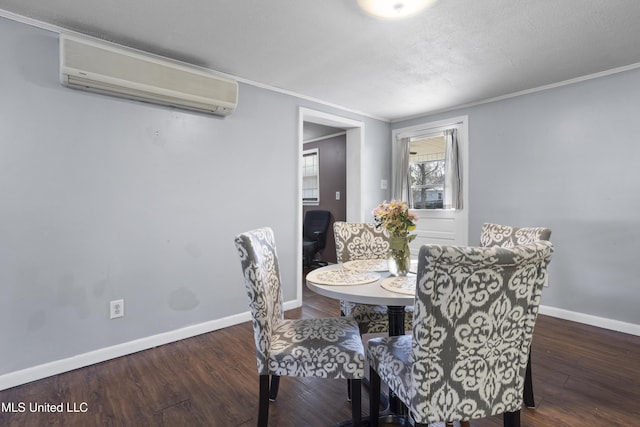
(109, 69)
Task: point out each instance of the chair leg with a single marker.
(349, 384)
(356, 402)
(511, 419)
(263, 403)
(273, 390)
(528, 386)
(374, 397)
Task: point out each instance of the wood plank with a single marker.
(582, 376)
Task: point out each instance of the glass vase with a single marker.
(399, 257)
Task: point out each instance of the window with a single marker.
(427, 172)
(427, 167)
(310, 177)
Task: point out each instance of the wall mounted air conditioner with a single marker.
(113, 70)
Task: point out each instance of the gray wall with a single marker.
(104, 198)
(332, 154)
(567, 158)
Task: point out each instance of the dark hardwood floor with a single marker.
(583, 376)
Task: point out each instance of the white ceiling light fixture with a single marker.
(394, 9)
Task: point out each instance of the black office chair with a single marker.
(314, 236)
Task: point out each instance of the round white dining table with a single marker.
(367, 293)
(373, 293)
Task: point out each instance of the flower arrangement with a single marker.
(396, 218)
(399, 222)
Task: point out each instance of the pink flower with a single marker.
(395, 217)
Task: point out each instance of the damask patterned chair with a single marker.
(474, 316)
(357, 241)
(321, 347)
(507, 237)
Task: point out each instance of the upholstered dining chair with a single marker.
(507, 237)
(474, 315)
(317, 347)
(358, 241)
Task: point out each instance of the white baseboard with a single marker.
(290, 305)
(56, 367)
(588, 319)
(45, 370)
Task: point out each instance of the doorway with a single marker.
(438, 224)
(354, 135)
(324, 178)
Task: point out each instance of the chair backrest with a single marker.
(474, 316)
(315, 227)
(257, 250)
(356, 240)
(507, 236)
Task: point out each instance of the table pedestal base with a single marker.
(397, 412)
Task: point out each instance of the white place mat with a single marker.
(342, 277)
(401, 285)
(367, 265)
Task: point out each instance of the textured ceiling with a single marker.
(455, 53)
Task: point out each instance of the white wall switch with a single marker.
(337, 195)
(383, 184)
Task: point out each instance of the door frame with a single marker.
(354, 146)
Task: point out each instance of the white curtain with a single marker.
(401, 187)
(452, 171)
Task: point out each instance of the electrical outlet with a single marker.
(117, 308)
